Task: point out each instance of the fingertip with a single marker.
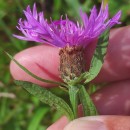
(59, 125)
(85, 123)
(100, 123)
(40, 60)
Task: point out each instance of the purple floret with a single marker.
(61, 33)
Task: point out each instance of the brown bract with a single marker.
(72, 63)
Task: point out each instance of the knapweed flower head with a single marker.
(72, 39)
(63, 32)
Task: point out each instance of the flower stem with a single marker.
(73, 94)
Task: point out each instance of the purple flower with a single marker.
(65, 32)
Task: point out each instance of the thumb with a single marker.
(100, 123)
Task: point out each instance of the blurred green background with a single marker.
(18, 109)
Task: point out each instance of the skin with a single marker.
(112, 100)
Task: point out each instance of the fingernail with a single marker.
(86, 125)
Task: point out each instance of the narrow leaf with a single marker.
(73, 93)
(98, 57)
(37, 118)
(33, 75)
(88, 106)
(47, 97)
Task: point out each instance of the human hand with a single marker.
(114, 99)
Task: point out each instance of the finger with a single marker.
(44, 60)
(100, 123)
(40, 60)
(117, 64)
(59, 125)
(113, 99)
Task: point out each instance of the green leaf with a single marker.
(33, 75)
(73, 93)
(98, 57)
(88, 106)
(47, 97)
(38, 116)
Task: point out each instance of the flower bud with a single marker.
(72, 63)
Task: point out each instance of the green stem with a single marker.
(89, 108)
(73, 93)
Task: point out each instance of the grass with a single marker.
(18, 112)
